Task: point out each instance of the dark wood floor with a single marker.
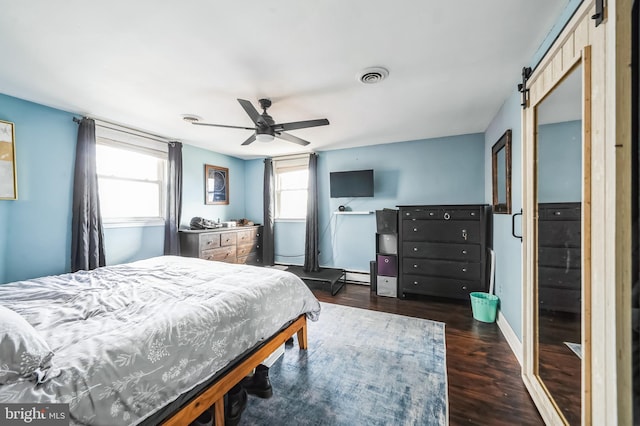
(485, 386)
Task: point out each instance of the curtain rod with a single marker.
(129, 130)
(293, 156)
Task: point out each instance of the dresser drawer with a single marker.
(207, 254)
(441, 213)
(559, 278)
(458, 231)
(560, 212)
(559, 257)
(245, 249)
(443, 251)
(442, 268)
(559, 233)
(555, 299)
(209, 241)
(228, 239)
(248, 236)
(225, 254)
(249, 259)
(434, 286)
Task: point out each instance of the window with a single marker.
(131, 181)
(291, 178)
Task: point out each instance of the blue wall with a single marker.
(560, 162)
(193, 161)
(38, 224)
(4, 221)
(35, 230)
(508, 250)
(435, 171)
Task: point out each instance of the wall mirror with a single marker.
(501, 174)
(559, 181)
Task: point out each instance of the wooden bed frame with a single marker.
(214, 395)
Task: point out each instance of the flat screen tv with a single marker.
(355, 183)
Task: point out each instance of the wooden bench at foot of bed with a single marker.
(214, 395)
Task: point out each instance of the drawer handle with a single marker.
(464, 252)
(415, 266)
(464, 269)
(407, 214)
(415, 283)
(557, 213)
(464, 287)
(431, 213)
(464, 234)
(447, 216)
(415, 229)
(386, 261)
(415, 249)
(473, 213)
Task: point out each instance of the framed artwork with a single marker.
(8, 176)
(501, 171)
(216, 185)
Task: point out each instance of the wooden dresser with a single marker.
(242, 244)
(443, 250)
(559, 257)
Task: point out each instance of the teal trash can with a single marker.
(484, 306)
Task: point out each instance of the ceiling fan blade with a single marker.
(250, 139)
(251, 111)
(223, 125)
(291, 138)
(300, 124)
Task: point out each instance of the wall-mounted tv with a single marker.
(355, 183)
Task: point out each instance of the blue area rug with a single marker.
(362, 368)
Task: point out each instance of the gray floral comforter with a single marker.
(128, 339)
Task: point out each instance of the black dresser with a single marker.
(559, 257)
(443, 250)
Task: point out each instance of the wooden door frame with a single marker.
(606, 391)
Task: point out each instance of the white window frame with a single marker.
(139, 144)
(283, 165)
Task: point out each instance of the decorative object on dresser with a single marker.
(443, 250)
(386, 266)
(242, 244)
(559, 269)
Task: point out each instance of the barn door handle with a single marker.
(513, 225)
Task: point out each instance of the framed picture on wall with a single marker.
(216, 185)
(8, 176)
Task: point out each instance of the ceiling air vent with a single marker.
(373, 75)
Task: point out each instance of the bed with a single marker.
(147, 342)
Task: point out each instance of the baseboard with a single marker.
(510, 336)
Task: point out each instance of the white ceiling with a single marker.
(145, 63)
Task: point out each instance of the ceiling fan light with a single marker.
(264, 137)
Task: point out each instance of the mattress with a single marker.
(130, 339)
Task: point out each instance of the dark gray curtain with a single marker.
(87, 238)
(311, 249)
(174, 200)
(268, 246)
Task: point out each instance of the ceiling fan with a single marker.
(265, 128)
